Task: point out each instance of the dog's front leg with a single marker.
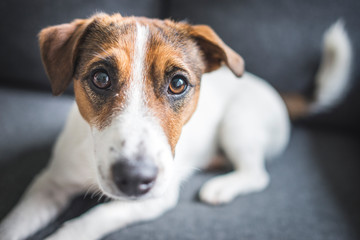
(44, 199)
(108, 217)
(244, 142)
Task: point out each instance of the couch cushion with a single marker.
(22, 20)
(313, 193)
(281, 42)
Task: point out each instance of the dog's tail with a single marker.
(332, 80)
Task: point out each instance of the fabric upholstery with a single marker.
(22, 20)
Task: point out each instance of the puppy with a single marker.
(142, 123)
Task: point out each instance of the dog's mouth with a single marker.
(112, 192)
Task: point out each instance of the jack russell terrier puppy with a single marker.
(147, 115)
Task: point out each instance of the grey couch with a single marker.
(314, 191)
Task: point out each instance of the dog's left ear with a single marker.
(58, 47)
(216, 51)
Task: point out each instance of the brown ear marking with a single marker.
(58, 46)
(216, 51)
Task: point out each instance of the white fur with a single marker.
(246, 117)
(136, 97)
(333, 78)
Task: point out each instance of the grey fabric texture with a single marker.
(22, 20)
(313, 194)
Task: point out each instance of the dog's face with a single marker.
(136, 83)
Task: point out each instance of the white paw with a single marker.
(225, 188)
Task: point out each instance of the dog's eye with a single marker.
(101, 80)
(178, 84)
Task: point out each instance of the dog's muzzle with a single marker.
(134, 177)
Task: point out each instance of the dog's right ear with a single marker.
(58, 48)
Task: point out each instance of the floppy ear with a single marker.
(58, 48)
(216, 51)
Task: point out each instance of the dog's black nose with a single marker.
(134, 178)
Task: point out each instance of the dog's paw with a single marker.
(225, 188)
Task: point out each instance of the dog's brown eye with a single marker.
(178, 84)
(101, 80)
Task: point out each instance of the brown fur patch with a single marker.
(58, 47)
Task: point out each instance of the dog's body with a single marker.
(245, 117)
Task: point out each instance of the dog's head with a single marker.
(136, 83)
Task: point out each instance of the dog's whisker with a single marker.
(96, 193)
(86, 193)
(101, 196)
(91, 188)
(92, 195)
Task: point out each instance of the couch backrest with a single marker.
(21, 21)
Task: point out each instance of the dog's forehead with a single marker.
(164, 42)
(111, 29)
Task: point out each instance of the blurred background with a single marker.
(315, 192)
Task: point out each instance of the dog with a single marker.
(156, 99)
